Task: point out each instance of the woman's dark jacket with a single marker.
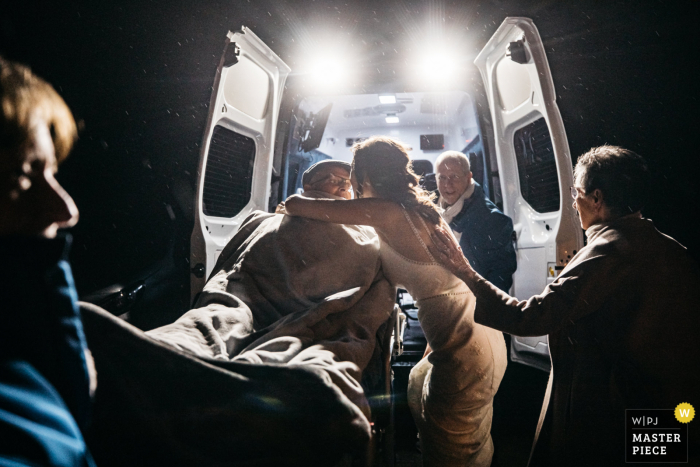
(623, 325)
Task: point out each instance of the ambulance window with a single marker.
(229, 173)
(537, 168)
(247, 87)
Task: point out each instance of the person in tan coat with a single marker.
(622, 319)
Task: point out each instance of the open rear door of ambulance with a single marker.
(235, 165)
(534, 165)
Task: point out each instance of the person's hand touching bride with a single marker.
(447, 251)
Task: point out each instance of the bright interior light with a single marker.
(387, 99)
(392, 119)
(328, 72)
(438, 68)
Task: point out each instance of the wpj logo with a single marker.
(655, 435)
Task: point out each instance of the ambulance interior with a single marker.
(326, 127)
(258, 144)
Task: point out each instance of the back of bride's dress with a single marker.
(451, 392)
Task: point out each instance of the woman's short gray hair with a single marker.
(620, 174)
(455, 156)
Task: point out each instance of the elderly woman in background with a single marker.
(44, 379)
(622, 322)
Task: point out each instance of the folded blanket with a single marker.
(156, 405)
(293, 291)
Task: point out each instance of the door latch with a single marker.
(231, 55)
(517, 52)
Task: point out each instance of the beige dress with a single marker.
(451, 392)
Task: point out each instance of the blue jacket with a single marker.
(487, 239)
(44, 382)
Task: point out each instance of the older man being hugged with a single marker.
(483, 231)
(329, 178)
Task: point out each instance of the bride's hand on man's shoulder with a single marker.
(284, 206)
(446, 250)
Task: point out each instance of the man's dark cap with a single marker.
(325, 164)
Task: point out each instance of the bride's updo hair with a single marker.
(386, 163)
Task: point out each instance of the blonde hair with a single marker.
(25, 97)
(386, 163)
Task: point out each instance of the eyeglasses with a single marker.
(575, 191)
(333, 180)
(452, 178)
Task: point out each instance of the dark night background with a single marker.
(138, 76)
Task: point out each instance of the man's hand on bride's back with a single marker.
(447, 251)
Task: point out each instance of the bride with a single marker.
(451, 391)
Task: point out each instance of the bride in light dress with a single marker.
(451, 391)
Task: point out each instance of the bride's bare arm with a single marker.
(374, 212)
